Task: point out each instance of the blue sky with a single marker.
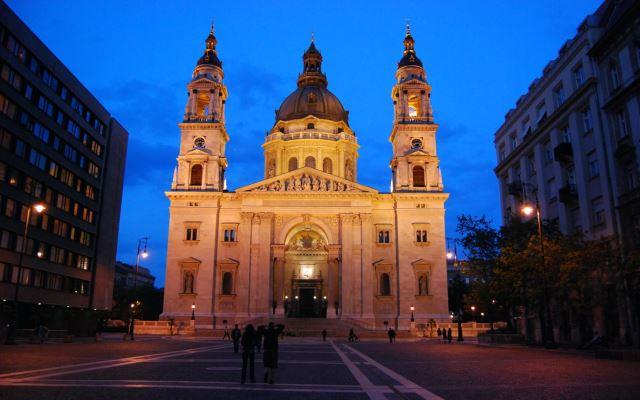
(137, 56)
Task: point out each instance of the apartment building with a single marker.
(60, 148)
(572, 142)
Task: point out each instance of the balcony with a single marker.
(515, 188)
(568, 194)
(625, 150)
(563, 153)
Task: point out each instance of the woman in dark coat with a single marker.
(248, 342)
(270, 351)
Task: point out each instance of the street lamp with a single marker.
(473, 308)
(131, 321)
(549, 342)
(142, 251)
(38, 208)
(193, 311)
(412, 308)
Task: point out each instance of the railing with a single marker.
(311, 134)
(198, 118)
(414, 120)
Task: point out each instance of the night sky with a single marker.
(137, 56)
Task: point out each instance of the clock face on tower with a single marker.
(198, 143)
(416, 144)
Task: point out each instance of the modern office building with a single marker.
(572, 139)
(61, 148)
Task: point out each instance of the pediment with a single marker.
(190, 260)
(198, 152)
(417, 152)
(308, 180)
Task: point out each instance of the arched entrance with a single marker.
(306, 272)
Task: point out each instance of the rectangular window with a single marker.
(73, 128)
(192, 234)
(5, 139)
(45, 105)
(90, 192)
(384, 236)
(558, 96)
(502, 153)
(598, 212)
(541, 113)
(565, 134)
(94, 170)
(41, 132)
(10, 208)
(548, 152)
(7, 107)
(87, 215)
(514, 142)
(421, 236)
(96, 148)
(621, 124)
(8, 75)
(63, 202)
(37, 159)
(229, 235)
(614, 76)
(82, 262)
(578, 76)
(587, 123)
(592, 165)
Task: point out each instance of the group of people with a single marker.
(263, 339)
(446, 334)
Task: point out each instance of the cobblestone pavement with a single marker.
(183, 368)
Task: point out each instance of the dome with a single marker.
(409, 58)
(312, 96)
(210, 56)
(312, 100)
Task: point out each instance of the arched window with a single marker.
(385, 285)
(196, 175)
(187, 282)
(310, 162)
(418, 176)
(293, 163)
(327, 165)
(227, 283)
(614, 75)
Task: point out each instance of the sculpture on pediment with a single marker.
(306, 183)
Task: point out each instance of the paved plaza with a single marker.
(184, 368)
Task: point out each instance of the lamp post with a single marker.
(131, 321)
(548, 339)
(144, 254)
(38, 208)
(412, 308)
(193, 312)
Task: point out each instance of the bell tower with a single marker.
(415, 163)
(202, 161)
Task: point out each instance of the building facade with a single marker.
(308, 240)
(571, 141)
(61, 148)
(129, 276)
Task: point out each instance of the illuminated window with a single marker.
(418, 176)
(196, 175)
(421, 236)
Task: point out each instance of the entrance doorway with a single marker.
(307, 303)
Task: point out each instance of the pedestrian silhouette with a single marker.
(392, 335)
(324, 335)
(226, 333)
(449, 335)
(235, 336)
(352, 336)
(439, 332)
(270, 351)
(259, 334)
(248, 342)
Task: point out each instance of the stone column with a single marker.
(332, 279)
(278, 278)
(367, 268)
(348, 278)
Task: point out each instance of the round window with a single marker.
(416, 144)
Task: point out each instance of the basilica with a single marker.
(308, 240)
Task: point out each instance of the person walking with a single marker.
(392, 335)
(352, 336)
(439, 332)
(235, 336)
(248, 342)
(444, 335)
(324, 335)
(449, 336)
(226, 333)
(259, 334)
(270, 353)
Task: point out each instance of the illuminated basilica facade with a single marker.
(308, 240)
